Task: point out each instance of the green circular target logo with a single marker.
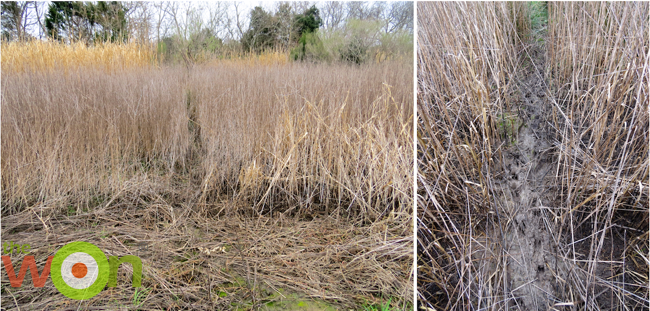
(80, 270)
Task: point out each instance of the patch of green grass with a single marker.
(103, 234)
(97, 200)
(538, 15)
(140, 295)
(385, 306)
(71, 210)
(296, 302)
(509, 125)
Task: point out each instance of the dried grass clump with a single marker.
(37, 55)
(599, 57)
(467, 56)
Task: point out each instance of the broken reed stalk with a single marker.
(599, 70)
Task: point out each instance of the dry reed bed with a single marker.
(599, 56)
(323, 138)
(37, 55)
(158, 156)
(278, 137)
(80, 137)
(467, 56)
(597, 68)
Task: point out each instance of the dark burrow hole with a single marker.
(540, 268)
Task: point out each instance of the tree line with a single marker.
(193, 31)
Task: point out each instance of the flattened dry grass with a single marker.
(229, 263)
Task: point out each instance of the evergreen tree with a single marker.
(85, 21)
(307, 23)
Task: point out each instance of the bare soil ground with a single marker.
(536, 249)
(527, 189)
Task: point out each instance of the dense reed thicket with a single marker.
(467, 57)
(36, 55)
(466, 60)
(322, 138)
(299, 136)
(478, 64)
(599, 56)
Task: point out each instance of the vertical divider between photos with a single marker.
(415, 162)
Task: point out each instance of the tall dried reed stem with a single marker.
(467, 56)
(599, 57)
(298, 137)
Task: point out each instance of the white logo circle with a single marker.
(81, 280)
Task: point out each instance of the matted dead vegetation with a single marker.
(196, 263)
(301, 171)
(533, 193)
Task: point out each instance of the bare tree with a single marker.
(139, 18)
(218, 18)
(39, 13)
(376, 10)
(17, 19)
(286, 26)
(235, 28)
(179, 14)
(301, 6)
(333, 14)
(357, 9)
(398, 16)
(161, 18)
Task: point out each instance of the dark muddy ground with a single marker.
(540, 255)
(527, 191)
